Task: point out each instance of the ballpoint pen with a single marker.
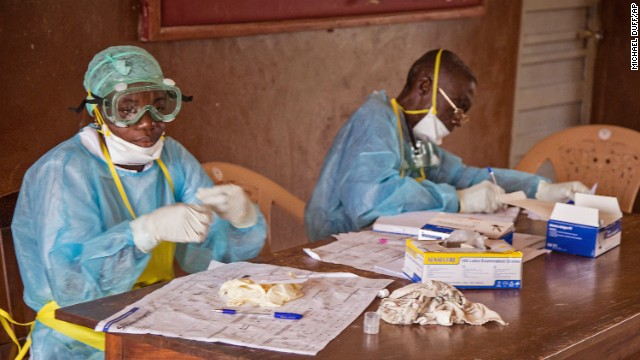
(493, 176)
(275, 315)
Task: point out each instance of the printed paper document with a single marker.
(183, 309)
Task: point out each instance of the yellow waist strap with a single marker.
(5, 319)
(46, 315)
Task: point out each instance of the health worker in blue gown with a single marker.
(387, 160)
(109, 209)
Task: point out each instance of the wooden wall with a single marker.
(272, 103)
(616, 87)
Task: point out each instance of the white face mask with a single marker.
(123, 152)
(430, 128)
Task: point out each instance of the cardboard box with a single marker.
(589, 228)
(499, 267)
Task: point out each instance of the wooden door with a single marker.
(556, 59)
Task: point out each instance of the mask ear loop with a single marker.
(396, 106)
(434, 91)
(434, 97)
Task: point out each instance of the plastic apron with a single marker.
(159, 268)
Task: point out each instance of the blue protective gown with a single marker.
(72, 236)
(360, 179)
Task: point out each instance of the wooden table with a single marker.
(569, 307)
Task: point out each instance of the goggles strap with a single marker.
(99, 119)
(95, 101)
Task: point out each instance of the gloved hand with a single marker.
(482, 197)
(560, 192)
(230, 203)
(179, 223)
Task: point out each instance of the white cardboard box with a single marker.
(589, 228)
(498, 268)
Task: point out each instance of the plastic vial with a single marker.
(371, 322)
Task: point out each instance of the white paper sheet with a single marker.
(367, 250)
(531, 246)
(183, 309)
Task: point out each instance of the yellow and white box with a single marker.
(497, 267)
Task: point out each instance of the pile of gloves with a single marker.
(433, 302)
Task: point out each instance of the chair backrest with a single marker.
(606, 154)
(11, 288)
(265, 192)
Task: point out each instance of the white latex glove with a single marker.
(230, 203)
(482, 197)
(179, 223)
(560, 192)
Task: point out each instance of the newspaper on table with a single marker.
(183, 309)
(366, 250)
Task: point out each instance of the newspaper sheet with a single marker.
(183, 309)
(366, 250)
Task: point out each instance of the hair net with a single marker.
(121, 64)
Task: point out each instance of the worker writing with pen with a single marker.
(387, 160)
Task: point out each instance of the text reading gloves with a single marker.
(180, 223)
(431, 128)
(123, 152)
(231, 203)
(482, 197)
(560, 192)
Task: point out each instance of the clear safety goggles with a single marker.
(126, 106)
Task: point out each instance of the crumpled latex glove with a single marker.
(433, 302)
(180, 223)
(481, 197)
(560, 192)
(231, 203)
